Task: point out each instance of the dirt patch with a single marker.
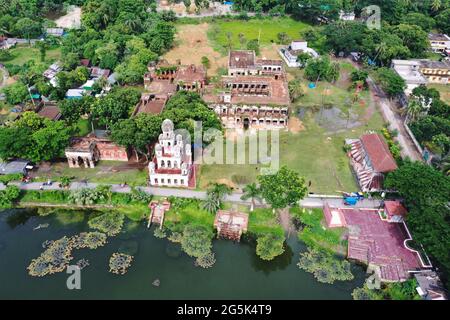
(227, 182)
(295, 125)
(72, 20)
(192, 45)
(270, 52)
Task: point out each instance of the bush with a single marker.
(110, 223)
(269, 246)
(7, 178)
(196, 241)
(8, 196)
(325, 266)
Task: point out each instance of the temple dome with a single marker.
(167, 125)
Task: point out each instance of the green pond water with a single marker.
(237, 274)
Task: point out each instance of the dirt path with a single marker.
(192, 44)
(286, 222)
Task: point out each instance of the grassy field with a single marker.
(264, 29)
(22, 54)
(113, 172)
(314, 234)
(444, 90)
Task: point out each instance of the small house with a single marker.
(430, 286)
(14, 167)
(439, 42)
(394, 211)
(231, 224)
(55, 32)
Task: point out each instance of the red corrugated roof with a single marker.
(394, 208)
(378, 152)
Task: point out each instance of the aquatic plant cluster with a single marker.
(59, 252)
(205, 261)
(325, 266)
(54, 259)
(110, 223)
(91, 240)
(119, 263)
(159, 233)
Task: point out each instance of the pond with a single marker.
(331, 118)
(237, 274)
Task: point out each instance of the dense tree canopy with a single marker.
(282, 189)
(426, 192)
(34, 138)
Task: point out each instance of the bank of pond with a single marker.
(109, 240)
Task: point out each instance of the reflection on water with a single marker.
(238, 272)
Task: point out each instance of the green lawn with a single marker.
(314, 234)
(263, 221)
(444, 90)
(104, 172)
(22, 54)
(84, 127)
(264, 29)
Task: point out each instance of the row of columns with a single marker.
(87, 162)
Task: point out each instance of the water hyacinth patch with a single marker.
(110, 223)
(119, 263)
(91, 240)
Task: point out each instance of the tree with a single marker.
(16, 93)
(426, 23)
(251, 191)
(116, 105)
(282, 37)
(282, 189)
(321, 68)
(196, 241)
(390, 81)
(443, 21)
(253, 45)
(205, 62)
(414, 109)
(214, 196)
(303, 59)
(269, 246)
(426, 192)
(295, 89)
(42, 46)
(414, 38)
(73, 109)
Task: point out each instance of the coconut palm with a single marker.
(414, 110)
(381, 49)
(212, 203)
(251, 191)
(436, 5)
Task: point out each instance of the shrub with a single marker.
(269, 246)
(196, 241)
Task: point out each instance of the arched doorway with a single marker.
(246, 123)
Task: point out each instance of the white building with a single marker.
(291, 52)
(439, 42)
(346, 16)
(409, 70)
(172, 165)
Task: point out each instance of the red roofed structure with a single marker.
(370, 159)
(395, 211)
(377, 242)
(378, 152)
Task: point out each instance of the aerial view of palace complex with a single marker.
(148, 140)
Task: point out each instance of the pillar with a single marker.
(91, 163)
(86, 162)
(70, 162)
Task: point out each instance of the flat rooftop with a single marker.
(162, 87)
(191, 73)
(242, 59)
(375, 241)
(278, 90)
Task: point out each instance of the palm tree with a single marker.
(211, 204)
(251, 191)
(381, 48)
(436, 5)
(414, 110)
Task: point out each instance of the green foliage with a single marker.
(313, 233)
(392, 291)
(253, 45)
(322, 69)
(206, 261)
(214, 197)
(141, 196)
(35, 138)
(269, 246)
(159, 233)
(426, 192)
(390, 81)
(196, 241)
(326, 267)
(16, 93)
(110, 223)
(8, 196)
(86, 196)
(282, 189)
(295, 90)
(7, 178)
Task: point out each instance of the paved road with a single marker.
(308, 202)
(408, 149)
